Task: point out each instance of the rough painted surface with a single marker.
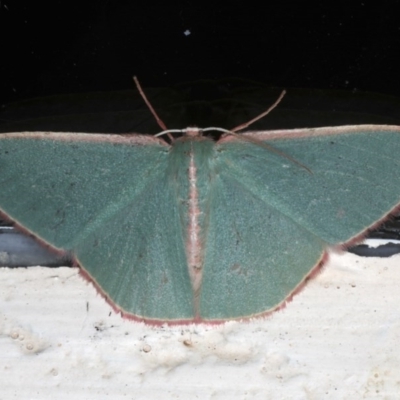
(338, 339)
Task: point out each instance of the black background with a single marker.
(76, 46)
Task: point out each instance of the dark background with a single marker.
(76, 46)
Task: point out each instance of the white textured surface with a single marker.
(339, 338)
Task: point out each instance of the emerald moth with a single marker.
(197, 229)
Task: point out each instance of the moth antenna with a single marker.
(160, 122)
(233, 132)
(168, 131)
(270, 148)
(245, 125)
(259, 143)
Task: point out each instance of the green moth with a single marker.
(200, 230)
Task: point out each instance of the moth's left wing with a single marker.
(106, 200)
